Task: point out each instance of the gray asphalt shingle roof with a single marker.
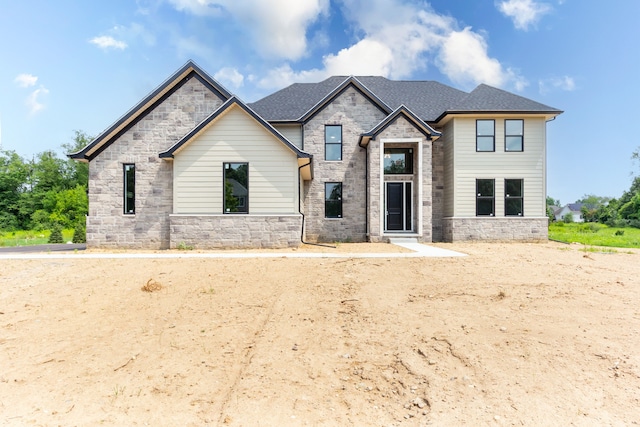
(429, 100)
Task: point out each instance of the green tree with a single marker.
(77, 173)
(70, 206)
(13, 175)
(56, 234)
(590, 205)
(552, 202)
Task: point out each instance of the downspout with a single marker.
(366, 189)
(302, 213)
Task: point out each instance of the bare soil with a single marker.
(513, 334)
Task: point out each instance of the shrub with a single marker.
(56, 234)
(619, 233)
(79, 233)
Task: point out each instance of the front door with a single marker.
(398, 212)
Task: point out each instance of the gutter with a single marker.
(302, 213)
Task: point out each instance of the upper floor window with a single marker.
(513, 199)
(236, 188)
(513, 135)
(398, 161)
(333, 142)
(485, 135)
(333, 200)
(485, 197)
(129, 189)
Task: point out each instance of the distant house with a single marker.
(348, 158)
(575, 209)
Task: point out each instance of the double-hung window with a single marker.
(513, 197)
(236, 188)
(485, 135)
(333, 142)
(333, 200)
(513, 135)
(485, 197)
(129, 189)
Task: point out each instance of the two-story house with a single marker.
(346, 159)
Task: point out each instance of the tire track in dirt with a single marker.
(250, 352)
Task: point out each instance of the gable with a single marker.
(150, 103)
(235, 137)
(233, 104)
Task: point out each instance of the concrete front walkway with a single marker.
(419, 251)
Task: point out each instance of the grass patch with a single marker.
(593, 234)
(30, 237)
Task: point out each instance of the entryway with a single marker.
(398, 206)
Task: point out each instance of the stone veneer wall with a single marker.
(235, 231)
(357, 115)
(437, 190)
(518, 229)
(161, 127)
(400, 128)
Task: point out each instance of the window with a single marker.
(485, 199)
(333, 200)
(333, 142)
(513, 135)
(129, 189)
(398, 161)
(236, 188)
(513, 197)
(485, 135)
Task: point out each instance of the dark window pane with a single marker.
(236, 188)
(513, 207)
(513, 188)
(485, 187)
(333, 199)
(484, 207)
(129, 189)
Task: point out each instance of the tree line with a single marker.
(620, 212)
(44, 192)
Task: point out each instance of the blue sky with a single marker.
(79, 65)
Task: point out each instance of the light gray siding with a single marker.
(449, 166)
(293, 133)
(467, 165)
(235, 137)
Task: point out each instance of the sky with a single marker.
(70, 65)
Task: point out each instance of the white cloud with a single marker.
(34, 102)
(464, 59)
(565, 83)
(277, 27)
(26, 80)
(229, 76)
(108, 42)
(398, 39)
(524, 13)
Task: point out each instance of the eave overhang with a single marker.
(449, 114)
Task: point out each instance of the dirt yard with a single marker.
(513, 334)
